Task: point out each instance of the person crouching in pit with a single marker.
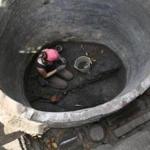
(52, 66)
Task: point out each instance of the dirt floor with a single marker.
(104, 81)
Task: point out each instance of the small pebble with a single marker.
(54, 145)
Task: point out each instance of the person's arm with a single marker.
(60, 68)
(44, 74)
(49, 74)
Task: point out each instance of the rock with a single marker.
(96, 133)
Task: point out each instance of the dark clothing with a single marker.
(47, 66)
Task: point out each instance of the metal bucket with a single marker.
(83, 64)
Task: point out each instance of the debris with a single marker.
(28, 50)
(54, 145)
(68, 141)
(86, 54)
(51, 144)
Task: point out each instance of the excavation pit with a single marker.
(123, 26)
(105, 79)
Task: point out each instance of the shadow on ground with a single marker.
(7, 138)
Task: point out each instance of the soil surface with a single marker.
(104, 81)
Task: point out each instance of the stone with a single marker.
(96, 133)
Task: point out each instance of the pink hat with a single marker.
(51, 54)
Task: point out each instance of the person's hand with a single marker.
(60, 68)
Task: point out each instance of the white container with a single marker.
(83, 64)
